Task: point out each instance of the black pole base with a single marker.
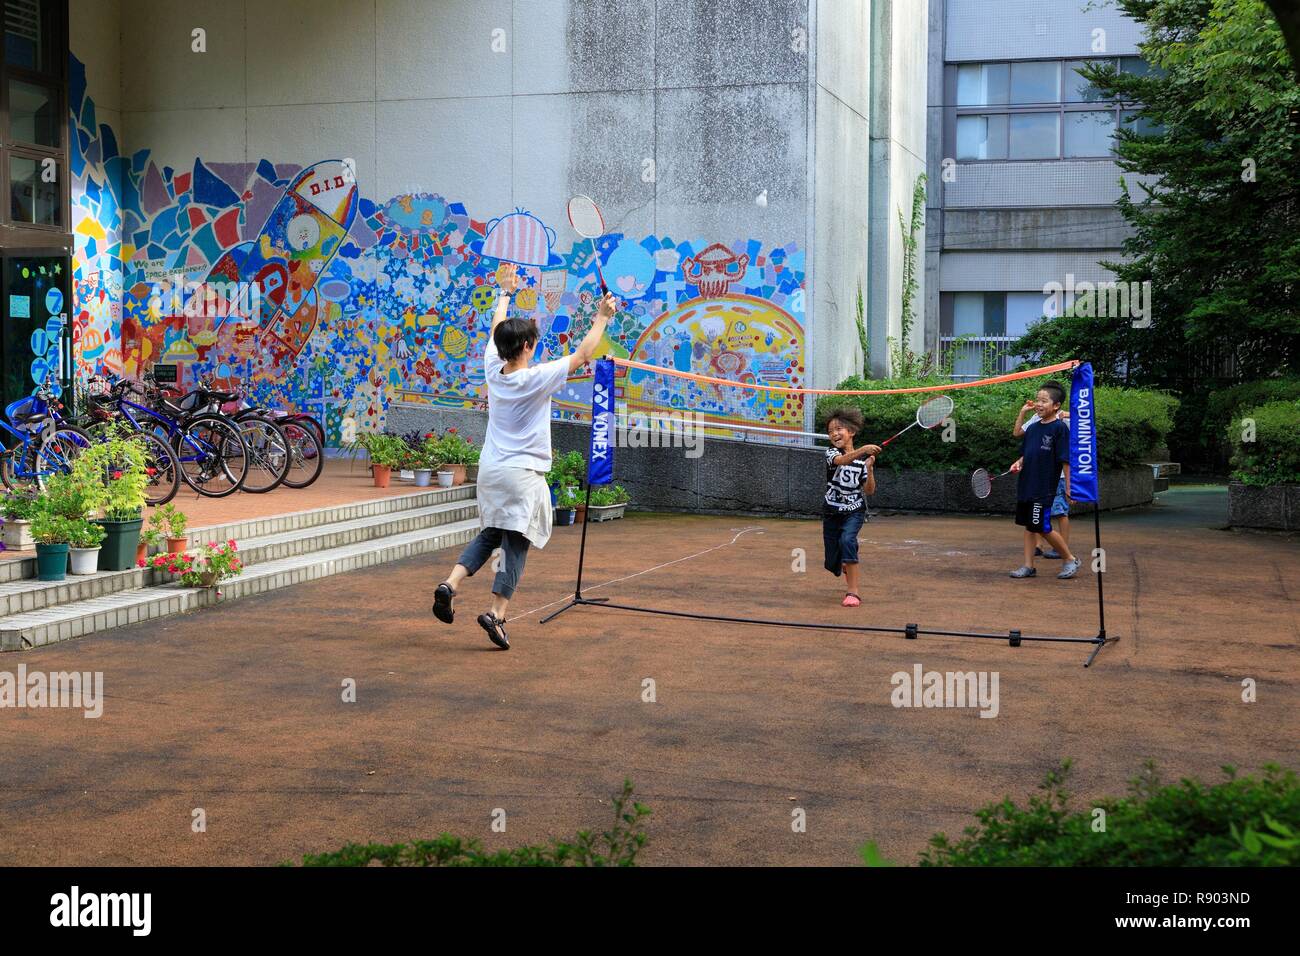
(573, 602)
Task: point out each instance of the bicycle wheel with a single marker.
(18, 468)
(268, 454)
(212, 455)
(306, 455)
(164, 472)
(59, 451)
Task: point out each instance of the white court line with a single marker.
(638, 573)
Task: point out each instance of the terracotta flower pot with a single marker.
(457, 473)
(382, 474)
(177, 545)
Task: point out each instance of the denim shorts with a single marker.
(840, 536)
(1060, 507)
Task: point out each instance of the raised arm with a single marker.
(587, 347)
(1018, 430)
(508, 279)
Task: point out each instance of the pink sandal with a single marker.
(851, 600)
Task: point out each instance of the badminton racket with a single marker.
(585, 217)
(931, 414)
(981, 482)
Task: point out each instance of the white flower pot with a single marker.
(606, 512)
(422, 477)
(18, 534)
(84, 560)
(445, 479)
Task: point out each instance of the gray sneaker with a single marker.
(1068, 569)
(1052, 555)
(1024, 571)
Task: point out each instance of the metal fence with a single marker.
(978, 356)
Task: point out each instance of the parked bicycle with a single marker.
(303, 433)
(47, 443)
(160, 461)
(268, 448)
(208, 447)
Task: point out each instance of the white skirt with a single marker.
(515, 499)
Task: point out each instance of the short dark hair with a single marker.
(1054, 389)
(849, 415)
(513, 336)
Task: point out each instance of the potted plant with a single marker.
(566, 506)
(608, 503)
(454, 454)
(19, 507)
(386, 453)
(113, 474)
(171, 522)
(567, 471)
(52, 533)
(84, 540)
(151, 539)
(213, 564)
(424, 459)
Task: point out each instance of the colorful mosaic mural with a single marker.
(364, 303)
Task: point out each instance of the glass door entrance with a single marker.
(35, 338)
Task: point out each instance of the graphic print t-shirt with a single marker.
(844, 483)
(1045, 447)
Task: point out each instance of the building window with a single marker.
(977, 330)
(33, 116)
(1001, 114)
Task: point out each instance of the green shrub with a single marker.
(1273, 458)
(617, 846)
(21, 504)
(1131, 423)
(1223, 406)
(1244, 821)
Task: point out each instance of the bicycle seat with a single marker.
(27, 413)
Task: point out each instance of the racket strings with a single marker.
(981, 483)
(934, 412)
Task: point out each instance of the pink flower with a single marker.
(117, 475)
(231, 542)
(452, 430)
(141, 563)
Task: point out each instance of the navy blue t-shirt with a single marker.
(1046, 447)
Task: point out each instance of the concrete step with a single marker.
(78, 618)
(336, 534)
(330, 514)
(23, 595)
(21, 569)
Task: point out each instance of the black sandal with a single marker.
(442, 608)
(496, 629)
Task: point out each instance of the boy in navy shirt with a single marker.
(1045, 453)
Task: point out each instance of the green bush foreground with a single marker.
(1244, 821)
(617, 846)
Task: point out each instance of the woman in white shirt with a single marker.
(513, 500)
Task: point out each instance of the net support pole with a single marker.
(582, 553)
(1102, 640)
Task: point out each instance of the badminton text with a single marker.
(73, 689)
(946, 689)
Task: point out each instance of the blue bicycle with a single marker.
(208, 448)
(47, 444)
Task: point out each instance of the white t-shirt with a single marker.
(519, 411)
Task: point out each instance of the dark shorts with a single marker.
(1034, 516)
(840, 535)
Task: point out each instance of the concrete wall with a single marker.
(842, 174)
(1015, 29)
(575, 95)
(900, 42)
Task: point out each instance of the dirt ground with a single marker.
(238, 710)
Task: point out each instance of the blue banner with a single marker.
(600, 468)
(1083, 436)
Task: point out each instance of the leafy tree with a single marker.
(1217, 233)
